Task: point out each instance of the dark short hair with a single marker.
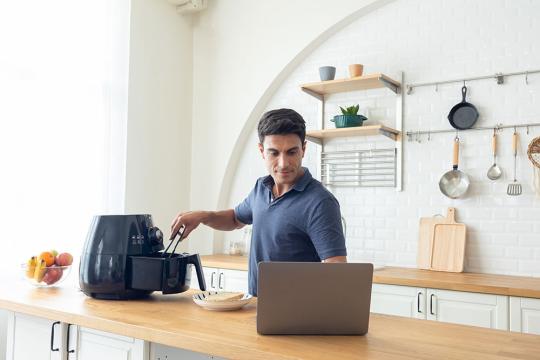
(282, 122)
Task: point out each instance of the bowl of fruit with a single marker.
(48, 269)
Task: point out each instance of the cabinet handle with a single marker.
(431, 304)
(212, 279)
(52, 336)
(418, 301)
(67, 345)
(219, 281)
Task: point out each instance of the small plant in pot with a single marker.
(349, 117)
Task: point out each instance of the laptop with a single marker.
(308, 298)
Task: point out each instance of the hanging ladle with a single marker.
(494, 171)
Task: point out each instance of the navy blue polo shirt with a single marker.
(304, 224)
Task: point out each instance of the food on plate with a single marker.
(64, 259)
(224, 296)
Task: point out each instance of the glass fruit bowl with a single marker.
(45, 277)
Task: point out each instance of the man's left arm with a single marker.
(326, 232)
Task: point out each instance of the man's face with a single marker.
(283, 155)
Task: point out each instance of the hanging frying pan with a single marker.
(454, 183)
(463, 115)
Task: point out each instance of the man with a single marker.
(294, 217)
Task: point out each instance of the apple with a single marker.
(64, 259)
(52, 275)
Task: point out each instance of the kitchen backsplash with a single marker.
(431, 41)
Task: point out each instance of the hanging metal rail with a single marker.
(499, 77)
(498, 128)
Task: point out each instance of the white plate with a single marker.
(201, 300)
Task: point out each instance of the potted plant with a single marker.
(349, 117)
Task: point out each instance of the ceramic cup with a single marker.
(327, 73)
(356, 70)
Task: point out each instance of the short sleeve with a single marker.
(243, 211)
(325, 229)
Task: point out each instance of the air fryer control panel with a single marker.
(144, 238)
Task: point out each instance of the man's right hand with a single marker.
(219, 220)
(189, 219)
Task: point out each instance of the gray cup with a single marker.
(327, 73)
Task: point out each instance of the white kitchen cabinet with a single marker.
(459, 307)
(31, 337)
(525, 315)
(222, 279)
(90, 344)
(233, 280)
(3, 331)
(398, 300)
(36, 338)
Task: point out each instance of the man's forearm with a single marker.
(221, 220)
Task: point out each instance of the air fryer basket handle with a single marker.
(196, 261)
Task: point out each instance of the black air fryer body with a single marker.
(122, 260)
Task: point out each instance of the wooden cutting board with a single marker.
(448, 244)
(425, 238)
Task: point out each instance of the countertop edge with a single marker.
(155, 335)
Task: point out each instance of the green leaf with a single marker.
(350, 110)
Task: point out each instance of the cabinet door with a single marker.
(398, 300)
(460, 307)
(525, 315)
(3, 331)
(232, 280)
(93, 344)
(210, 277)
(31, 337)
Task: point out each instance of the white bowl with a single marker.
(56, 275)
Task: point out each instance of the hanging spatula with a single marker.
(514, 188)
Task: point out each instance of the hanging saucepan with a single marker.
(454, 183)
(463, 115)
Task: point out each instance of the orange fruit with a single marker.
(48, 257)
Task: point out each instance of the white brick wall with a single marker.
(430, 41)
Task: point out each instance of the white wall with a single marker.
(159, 115)
(242, 51)
(430, 41)
(159, 120)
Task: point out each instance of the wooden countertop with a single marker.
(174, 320)
(472, 282)
(225, 261)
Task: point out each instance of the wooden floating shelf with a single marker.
(318, 136)
(373, 81)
